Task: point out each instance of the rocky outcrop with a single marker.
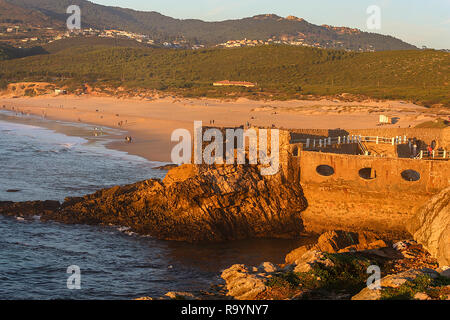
(244, 283)
(431, 227)
(394, 281)
(28, 209)
(311, 258)
(193, 203)
(411, 273)
(339, 241)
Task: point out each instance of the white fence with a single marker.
(435, 154)
(314, 143)
(360, 140)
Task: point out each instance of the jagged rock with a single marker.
(174, 295)
(28, 209)
(193, 203)
(166, 167)
(421, 296)
(309, 259)
(296, 254)
(430, 226)
(339, 241)
(342, 241)
(268, 267)
(393, 281)
(242, 284)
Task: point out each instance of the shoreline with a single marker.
(84, 131)
(151, 123)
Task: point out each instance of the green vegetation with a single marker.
(73, 42)
(347, 275)
(282, 72)
(422, 283)
(8, 52)
(439, 123)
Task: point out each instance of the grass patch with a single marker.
(423, 283)
(349, 275)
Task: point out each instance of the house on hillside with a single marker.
(234, 83)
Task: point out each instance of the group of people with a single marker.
(415, 146)
(98, 131)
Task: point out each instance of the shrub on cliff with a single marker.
(433, 287)
(347, 275)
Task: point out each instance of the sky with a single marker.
(420, 22)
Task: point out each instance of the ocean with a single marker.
(39, 163)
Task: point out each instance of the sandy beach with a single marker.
(151, 122)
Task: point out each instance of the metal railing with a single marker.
(435, 154)
(309, 143)
(314, 143)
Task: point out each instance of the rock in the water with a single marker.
(174, 295)
(166, 167)
(243, 284)
(28, 209)
(296, 254)
(193, 203)
(430, 226)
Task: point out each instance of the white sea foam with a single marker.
(50, 137)
(47, 165)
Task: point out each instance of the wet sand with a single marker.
(151, 123)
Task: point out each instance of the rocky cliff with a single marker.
(431, 227)
(193, 203)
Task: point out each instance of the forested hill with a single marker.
(281, 72)
(11, 13)
(261, 27)
(8, 52)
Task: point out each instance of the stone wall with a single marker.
(285, 148)
(347, 201)
(434, 175)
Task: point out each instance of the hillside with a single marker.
(74, 42)
(290, 72)
(261, 27)
(8, 52)
(10, 12)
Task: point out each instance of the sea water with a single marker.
(37, 163)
